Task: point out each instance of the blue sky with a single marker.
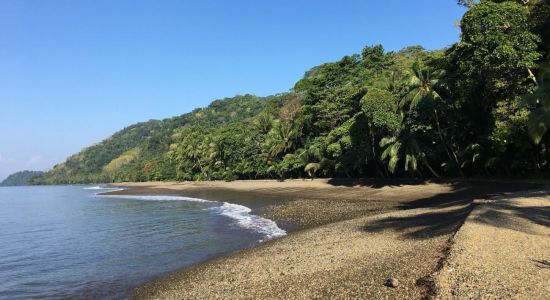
(74, 72)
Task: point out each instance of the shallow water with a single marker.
(67, 242)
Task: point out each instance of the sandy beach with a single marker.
(502, 251)
(353, 235)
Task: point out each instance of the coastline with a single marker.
(351, 236)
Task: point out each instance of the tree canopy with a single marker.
(479, 107)
(20, 178)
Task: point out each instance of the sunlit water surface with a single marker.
(67, 242)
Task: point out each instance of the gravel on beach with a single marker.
(502, 251)
(348, 259)
(354, 237)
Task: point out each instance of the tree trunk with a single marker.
(452, 155)
(425, 161)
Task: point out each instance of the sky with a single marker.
(74, 72)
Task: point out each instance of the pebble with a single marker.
(391, 282)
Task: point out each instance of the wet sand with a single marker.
(354, 235)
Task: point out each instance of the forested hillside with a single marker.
(139, 152)
(479, 107)
(20, 178)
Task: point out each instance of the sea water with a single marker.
(61, 242)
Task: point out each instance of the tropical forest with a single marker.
(480, 107)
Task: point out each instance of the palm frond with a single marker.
(417, 98)
(538, 124)
(411, 161)
(392, 164)
(312, 167)
(387, 140)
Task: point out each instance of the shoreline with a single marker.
(352, 236)
(306, 203)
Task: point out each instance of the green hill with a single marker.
(478, 107)
(20, 178)
(125, 154)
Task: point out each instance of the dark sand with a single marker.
(354, 235)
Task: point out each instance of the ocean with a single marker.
(61, 242)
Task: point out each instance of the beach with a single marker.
(350, 236)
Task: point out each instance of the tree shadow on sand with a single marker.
(423, 225)
(465, 192)
(449, 209)
(543, 263)
(509, 216)
(376, 183)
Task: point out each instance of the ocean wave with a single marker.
(244, 219)
(99, 187)
(157, 198)
(240, 213)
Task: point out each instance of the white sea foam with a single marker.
(240, 213)
(157, 198)
(246, 220)
(99, 187)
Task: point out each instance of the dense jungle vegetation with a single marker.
(20, 178)
(479, 107)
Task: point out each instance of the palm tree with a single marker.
(194, 153)
(216, 153)
(404, 146)
(281, 137)
(392, 147)
(311, 169)
(264, 122)
(424, 84)
(391, 82)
